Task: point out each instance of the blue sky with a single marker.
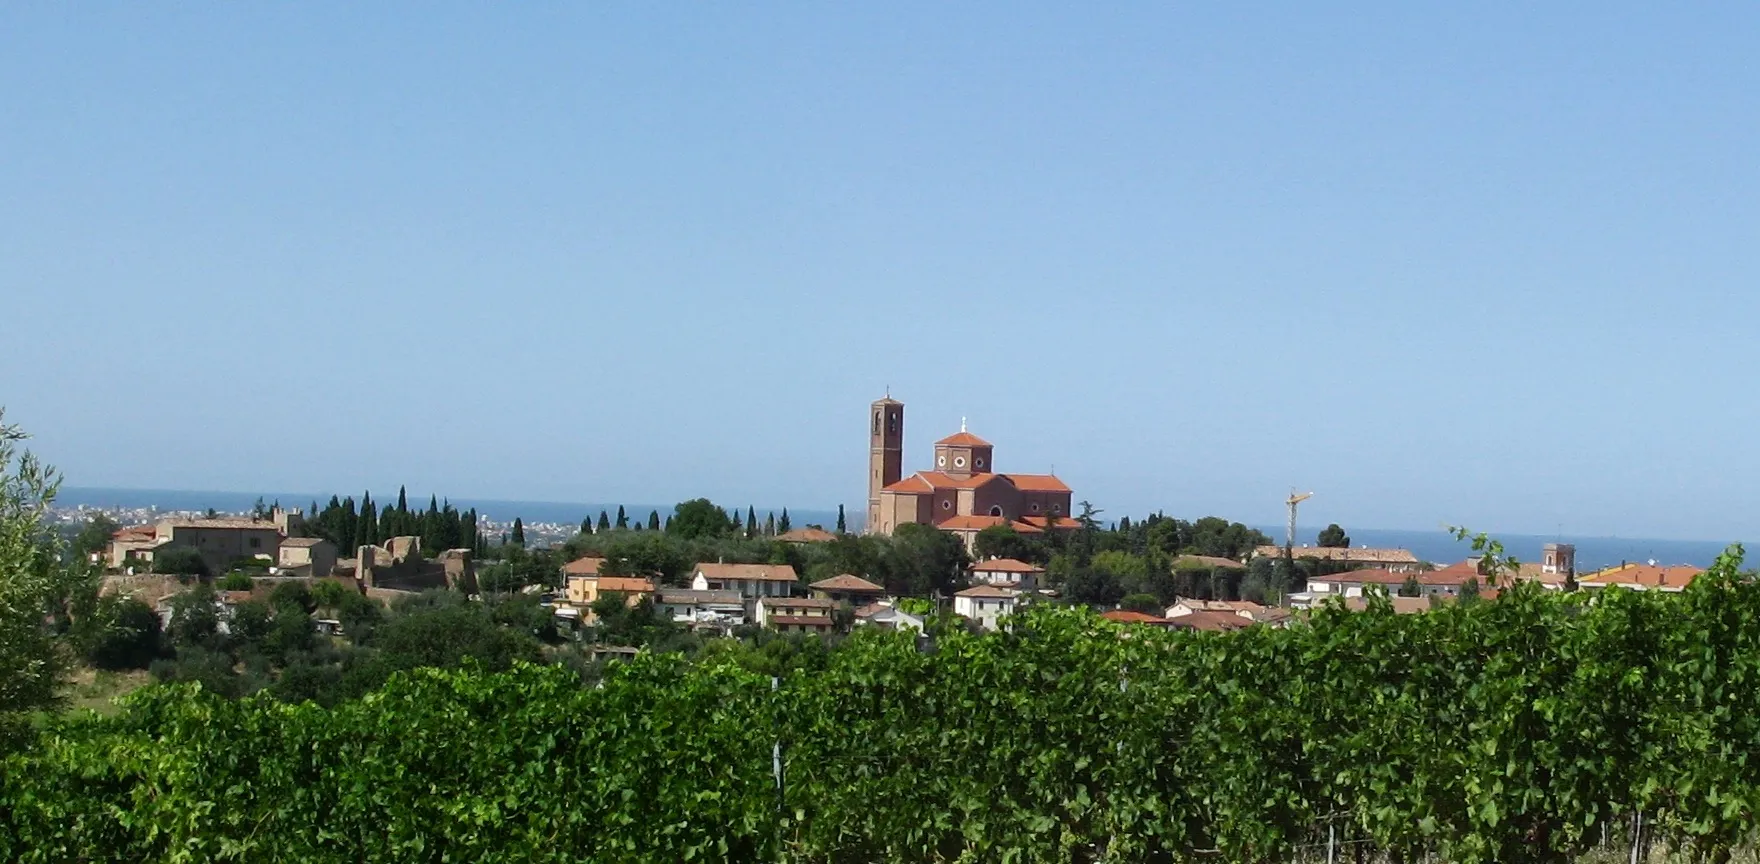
(1488, 264)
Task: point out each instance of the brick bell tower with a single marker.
(885, 453)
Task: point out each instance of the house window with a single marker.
(996, 510)
(256, 542)
(876, 422)
(977, 462)
(941, 461)
(1035, 508)
(892, 424)
(959, 461)
(947, 505)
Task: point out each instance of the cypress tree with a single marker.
(402, 501)
(348, 526)
(587, 525)
(519, 532)
(842, 526)
(782, 524)
(751, 522)
(770, 525)
(654, 520)
(604, 522)
(622, 520)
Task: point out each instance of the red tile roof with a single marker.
(1215, 622)
(749, 572)
(1444, 577)
(1123, 616)
(1006, 565)
(1036, 482)
(979, 523)
(847, 582)
(1643, 576)
(963, 439)
(796, 603)
(914, 484)
(1064, 523)
(988, 591)
(588, 566)
(625, 585)
(808, 534)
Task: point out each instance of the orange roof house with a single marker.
(962, 492)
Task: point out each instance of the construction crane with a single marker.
(1289, 540)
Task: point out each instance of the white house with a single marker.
(884, 614)
(751, 581)
(1008, 573)
(986, 604)
(705, 610)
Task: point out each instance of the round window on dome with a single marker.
(977, 461)
(947, 505)
(941, 461)
(959, 461)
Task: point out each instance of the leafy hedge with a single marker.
(1500, 731)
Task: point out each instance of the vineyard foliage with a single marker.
(1495, 731)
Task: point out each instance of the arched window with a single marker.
(996, 510)
(876, 422)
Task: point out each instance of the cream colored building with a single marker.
(219, 541)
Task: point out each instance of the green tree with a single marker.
(94, 536)
(236, 581)
(1148, 604)
(1333, 537)
(195, 617)
(622, 519)
(751, 522)
(654, 520)
(698, 518)
(1002, 541)
(782, 524)
(519, 533)
(923, 561)
(587, 525)
(604, 522)
(842, 526)
(446, 636)
(1469, 592)
(180, 561)
(770, 525)
(1410, 587)
(122, 633)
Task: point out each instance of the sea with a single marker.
(1438, 547)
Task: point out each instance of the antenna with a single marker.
(962, 424)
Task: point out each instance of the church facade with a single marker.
(963, 493)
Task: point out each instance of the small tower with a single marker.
(963, 454)
(1558, 558)
(885, 453)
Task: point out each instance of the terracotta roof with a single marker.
(588, 566)
(1036, 482)
(1199, 562)
(1328, 553)
(748, 572)
(941, 480)
(1643, 576)
(234, 523)
(1005, 565)
(1401, 605)
(134, 533)
(796, 603)
(1064, 523)
(1213, 622)
(1446, 577)
(970, 523)
(301, 541)
(1123, 616)
(847, 582)
(802, 620)
(988, 591)
(625, 584)
(914, 484)
(873, 609)
(1232, 606)
(808, 534)
(963, 439)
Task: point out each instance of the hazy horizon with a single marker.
(1484, 265)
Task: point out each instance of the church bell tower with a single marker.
(885, 453)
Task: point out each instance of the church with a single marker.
(964, 494)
